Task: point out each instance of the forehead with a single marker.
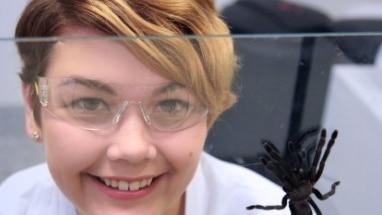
(82, 83)
(98, 58)
(79, 86)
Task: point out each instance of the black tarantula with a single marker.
(299, 174)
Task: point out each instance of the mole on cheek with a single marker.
(191, 154)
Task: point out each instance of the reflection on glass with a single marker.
(285, 85)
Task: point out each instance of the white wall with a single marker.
(353, 107)
(9, 64)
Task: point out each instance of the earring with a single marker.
(35, 136)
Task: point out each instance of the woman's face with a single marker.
(107, 171)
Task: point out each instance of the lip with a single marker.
(124, 195)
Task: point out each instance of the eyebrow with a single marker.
(98, 85)
(172, 86)
(92, 84)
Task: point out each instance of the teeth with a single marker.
(123, 185)
(127, 186)
(114, 183)
(149, 181)
(143, 183)
(134, 186)
(107, 182)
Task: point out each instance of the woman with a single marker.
(123, 121)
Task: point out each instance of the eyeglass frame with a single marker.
(41, 93)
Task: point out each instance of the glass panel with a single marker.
(286, 84)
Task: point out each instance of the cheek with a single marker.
(68, 149)
(182, 150)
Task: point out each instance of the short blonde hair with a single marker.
(204, 63)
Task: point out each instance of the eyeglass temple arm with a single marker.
(36, 88)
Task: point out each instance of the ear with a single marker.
(30, 122)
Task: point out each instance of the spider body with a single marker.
(299, 173)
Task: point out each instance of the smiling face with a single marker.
(128, 167)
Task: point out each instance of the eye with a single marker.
(173, 106)
(89, 104)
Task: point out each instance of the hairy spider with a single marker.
(299, 173)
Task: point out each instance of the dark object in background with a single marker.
(274, 16)
(299, 173)
(362, 50)
(278, 16)
(276, 79)
(283, 81)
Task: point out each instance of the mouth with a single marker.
(123, 185)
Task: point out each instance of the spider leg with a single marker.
(302, 161)
(317, 155)
(271, 207)
(315, 207)
(280, 163)
(272, 150)
(310, 150)
(332, 191)
(300, 139)
(274, 154)
(277, 171)
(297, 166)
(298, 156)
(278, 166)
(325, 156)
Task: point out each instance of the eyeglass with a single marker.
(95, 105)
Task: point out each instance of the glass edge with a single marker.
(153, 37)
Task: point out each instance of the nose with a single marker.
(131, 140)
